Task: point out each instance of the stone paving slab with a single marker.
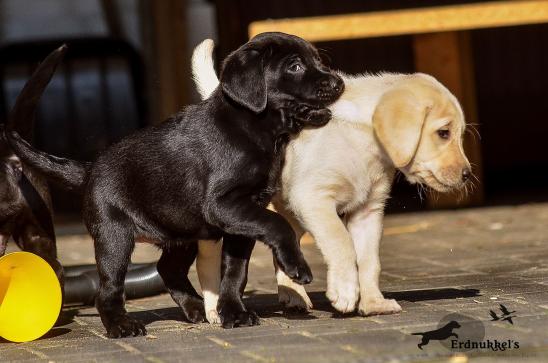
(437, 263)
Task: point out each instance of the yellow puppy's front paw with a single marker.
(343, 292)
(378, 307)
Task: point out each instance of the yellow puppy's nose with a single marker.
(466, 174)
(30, 297)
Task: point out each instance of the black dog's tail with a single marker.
(69, 174)
(417, 333)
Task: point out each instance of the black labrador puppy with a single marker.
(25, 203)
(207, 172)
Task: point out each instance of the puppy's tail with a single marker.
(21, 116)
(203, 71)
(69, 174)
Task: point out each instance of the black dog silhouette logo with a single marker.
(442, 333)
(452, 331)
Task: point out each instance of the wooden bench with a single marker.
(442, 48)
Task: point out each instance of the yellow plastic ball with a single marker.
(30, 297)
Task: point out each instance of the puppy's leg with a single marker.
(208, 266)
(3, 243)
(236, 254)
(290, 294)
(173, 267)
(335, 243)
(366, 229)
(33, 239)
(113, 247)
(240, 216)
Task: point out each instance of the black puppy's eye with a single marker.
(295, 68)
(444, 133)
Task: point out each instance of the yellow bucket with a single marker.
(30, 297)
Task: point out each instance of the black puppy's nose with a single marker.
(335, 83)
(338, 85)
(466, 174)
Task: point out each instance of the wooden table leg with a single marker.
(168, 69)
(448, 57)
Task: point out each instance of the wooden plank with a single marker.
(112, 18)
(168, 69)
(409, 21)
(447, 56)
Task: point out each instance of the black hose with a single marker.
(82, 282)
(76, 270)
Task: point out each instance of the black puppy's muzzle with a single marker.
(329, 89)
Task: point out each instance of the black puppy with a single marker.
(206, 173)
(25, 203)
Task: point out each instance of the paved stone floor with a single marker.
(440, 266)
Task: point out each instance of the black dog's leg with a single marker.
(173, 267)
(3, 243)
(33, 239)
(245, 218)
(113, 247)
(236, 254)
(423, 342)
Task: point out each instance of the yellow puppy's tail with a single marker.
(203, 71)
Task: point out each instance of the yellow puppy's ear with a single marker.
(398, 120)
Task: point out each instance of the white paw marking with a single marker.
(294, 297)
(379, 307)
(213, 317)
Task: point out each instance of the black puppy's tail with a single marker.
(69, 174)
(21, 116)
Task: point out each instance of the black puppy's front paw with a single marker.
(296, 268)
(233, 315)
(193, 310)
(124, 326)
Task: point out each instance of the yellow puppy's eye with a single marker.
(444, 133)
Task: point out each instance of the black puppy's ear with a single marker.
(242, 79)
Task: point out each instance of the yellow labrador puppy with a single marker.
(336, 179)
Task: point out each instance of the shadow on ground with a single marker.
(267, 306)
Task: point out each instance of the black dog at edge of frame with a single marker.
(25, 204)
(207, 172)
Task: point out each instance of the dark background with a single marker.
(111, 82)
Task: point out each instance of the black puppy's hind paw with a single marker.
(193, 310)
(232, 317)
(242, 318)
(126, 327)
